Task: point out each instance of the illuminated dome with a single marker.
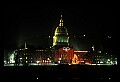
(61, 31)
(61, 35)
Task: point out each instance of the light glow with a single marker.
(37, 77)
(37, 61)
(20, 58)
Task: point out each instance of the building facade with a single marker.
(63, 53)
(60, 52)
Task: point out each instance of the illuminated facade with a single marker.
(60, 53)
(63, 53)
(79, 57)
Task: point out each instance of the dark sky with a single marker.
(35, 22)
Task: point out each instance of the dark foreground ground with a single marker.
(60, 72)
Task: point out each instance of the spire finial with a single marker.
(61, 16)
(61, 21)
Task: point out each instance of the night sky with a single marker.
(33, 23)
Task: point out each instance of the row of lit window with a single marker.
(61, 40)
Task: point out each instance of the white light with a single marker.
(37, 77)
(109, 78)
(98, 64)
(101, 62)
(58, 61)
(61, 16)
(59, 58)
(4, 61)
(66, 48)
(99, 51)
(109, 36)
(20, 58)
(37, 61)
(93, 64)
(48, 58)
(108, 59)
(55, 64)
(49, 36)
(45, 61)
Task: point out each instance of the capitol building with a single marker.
(60, 52)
